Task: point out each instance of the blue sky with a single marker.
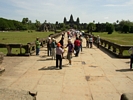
(55, 10)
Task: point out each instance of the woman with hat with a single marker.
(59, 52)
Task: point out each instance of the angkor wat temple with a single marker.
(71, 21)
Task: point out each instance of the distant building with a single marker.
(71, 21)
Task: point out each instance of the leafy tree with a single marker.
(126, 28)
(62, 25)
(109, 28)
(25, 20)
(3, 24)
(67, 26)
(91, 27)
(131, 29)
(37, 24)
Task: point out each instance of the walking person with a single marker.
(77, 45)
(37, 42)
(49, 46)
(98, 41)
(70, 51)
(53, 49)
(90, 41)
(62, 45)
(131, 57)
(59, 52)
(81, 41)
(87, 41)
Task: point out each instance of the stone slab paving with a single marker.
(94, 75)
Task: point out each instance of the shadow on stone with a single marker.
(127, 96)
(87, 78)
(93, 66)
(107, 52)
(45, 59)
(128, 62)
(48, 68)
(124, 70)
(83, 63)
(44, 56)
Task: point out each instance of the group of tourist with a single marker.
(56, 49)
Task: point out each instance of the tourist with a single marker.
(59, 52)
(87, 41)
(77, 44)
(62, 41)
(62, 45)
(53, 48)
(81, 41)
(98, 41)
(70, 51)
(49, 46)
(131, 57)
(37, 42)
(91, 41)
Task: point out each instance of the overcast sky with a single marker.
(55, 10)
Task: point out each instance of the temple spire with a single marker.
(71, 18)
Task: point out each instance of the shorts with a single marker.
(69, 55)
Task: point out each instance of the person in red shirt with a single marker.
(77, 44)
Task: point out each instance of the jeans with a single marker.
(37, 51)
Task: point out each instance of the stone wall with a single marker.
(1, 59)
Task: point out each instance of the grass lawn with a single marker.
(21, 37)
(119, 38)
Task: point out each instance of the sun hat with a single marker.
(53, 39)
(58, 45)
(49, 37)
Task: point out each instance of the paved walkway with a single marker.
(94, 75)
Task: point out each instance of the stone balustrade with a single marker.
(116, 49)
(29, 48)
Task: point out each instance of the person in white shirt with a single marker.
(59, 52)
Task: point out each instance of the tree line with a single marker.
(14, 25)
(124, 26)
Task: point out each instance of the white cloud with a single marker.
(106, 17)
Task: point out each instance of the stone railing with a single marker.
(116, 49)
(2, 69)
(28, 49)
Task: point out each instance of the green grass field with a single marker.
(119, 38)
(21, 37)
